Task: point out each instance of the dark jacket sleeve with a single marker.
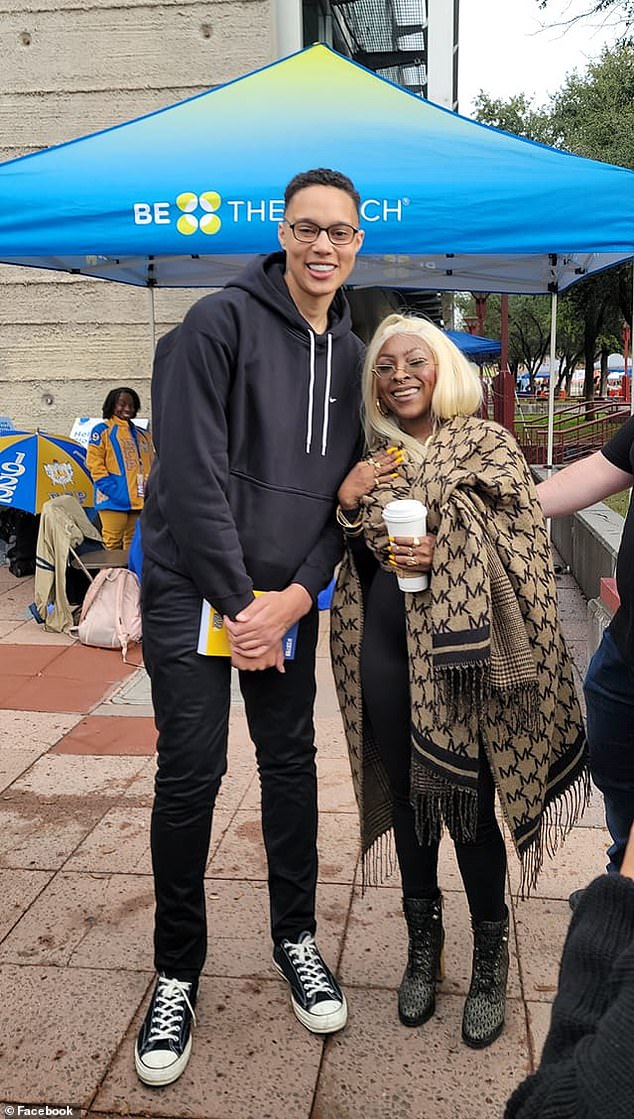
(190, 393)
(317, 569)
(587, 1067)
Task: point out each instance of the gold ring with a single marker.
(411, 562)
(410, 552)
(372, 463)
(416, 542)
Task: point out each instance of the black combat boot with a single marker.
(483, 1017)
(417, 993)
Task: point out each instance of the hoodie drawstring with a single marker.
(311, 395)
(324, 431)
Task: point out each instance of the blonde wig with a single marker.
(457, 391)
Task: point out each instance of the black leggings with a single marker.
(385, 685)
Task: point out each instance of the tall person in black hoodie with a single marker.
(256, 400)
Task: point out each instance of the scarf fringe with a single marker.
(520, 707)
(445, 804)
(464, 689)
(379, 861)
(558, 819)
(461, 689)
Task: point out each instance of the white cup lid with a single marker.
(408, 509)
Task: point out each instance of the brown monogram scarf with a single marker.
(487, 662)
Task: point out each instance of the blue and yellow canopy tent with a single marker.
(184, 196)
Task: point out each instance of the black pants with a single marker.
(191, 696)
(385, 684)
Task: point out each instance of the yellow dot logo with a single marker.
(190, 221)
(187, 224)
(187, 202)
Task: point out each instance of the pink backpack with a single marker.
(111, 612)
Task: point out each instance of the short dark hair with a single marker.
(322, 176)
(110, 402)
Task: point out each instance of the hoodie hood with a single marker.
(264, 280)
(256, 424)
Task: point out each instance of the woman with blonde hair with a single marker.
(465, 687)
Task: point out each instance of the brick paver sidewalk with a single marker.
(76, 768)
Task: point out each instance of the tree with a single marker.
(619, 12)
(529, 328)
(592, 115)
(517, 115)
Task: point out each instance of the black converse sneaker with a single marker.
(164, 1043)
(316, 997)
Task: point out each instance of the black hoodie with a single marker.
(256, 421)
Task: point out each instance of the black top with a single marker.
(256, 421)
(620, 452)
(587, 1067)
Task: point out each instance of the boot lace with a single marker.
(310, 968)
(169, 1007)
(486, 967)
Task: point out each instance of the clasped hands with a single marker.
(255, 636)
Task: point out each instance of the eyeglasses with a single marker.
(308, 231)
(413, 366)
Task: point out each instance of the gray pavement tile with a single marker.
(41, 832)
(18, 888)
(594, 815)
(241, 852)
(34, 729)
(378, 1069)
(580, 859)
(330, 739)
(30, 633)
(76, 775)
(118, 844)
(538, 1014)
(239, 930)
(541, 927)
(61, 1030)
(14, 762)
(140, 791)
(87, 921)
(251, 1060)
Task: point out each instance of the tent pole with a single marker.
(152, 325)
(551, 382)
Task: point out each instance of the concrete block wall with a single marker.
(69, 69)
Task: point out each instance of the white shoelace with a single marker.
(168, 1010)
(310, 968)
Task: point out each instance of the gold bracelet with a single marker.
(351, 528)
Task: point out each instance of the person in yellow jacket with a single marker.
(119, 458)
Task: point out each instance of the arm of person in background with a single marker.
(587, 1067)
(580, 485)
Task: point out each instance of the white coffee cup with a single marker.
(407, 518)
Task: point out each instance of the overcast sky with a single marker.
(503, 51)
